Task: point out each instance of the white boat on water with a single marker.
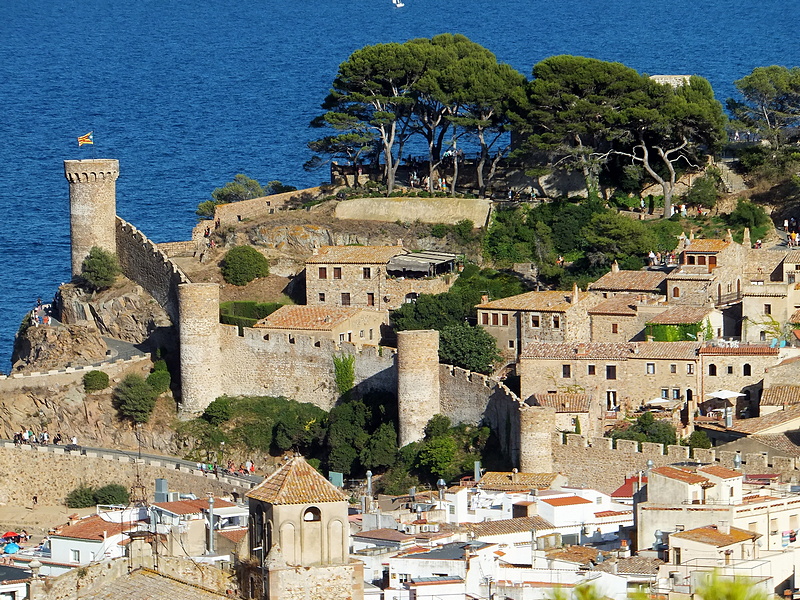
(398, 3)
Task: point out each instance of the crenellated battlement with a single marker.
(91, 170)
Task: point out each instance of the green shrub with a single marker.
(160, 365)
(99, 269)
(159, 381)
(94, 381)
(218, 411)
(113, 493)
(439, 230)
(243, 264)
(747, 214)
(135, 399)
(81, 497)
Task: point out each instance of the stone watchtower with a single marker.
(537, 426)
(92, 206)
(199, 334)
(417, 382)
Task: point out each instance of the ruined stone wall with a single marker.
(143, 262)
(235, 212)
(50, 472)
(298, 367)
(426, 210)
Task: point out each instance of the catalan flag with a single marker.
(86, 139)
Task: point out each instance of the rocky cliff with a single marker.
(54, 347)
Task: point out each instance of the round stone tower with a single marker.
(417, 382)
(537, 426)
(198, 309)
(92, 206)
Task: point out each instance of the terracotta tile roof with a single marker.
(757, 424)
(714, 537)
(719, 472)
(630, 281)
(681, 315)
(592, 350)
(795, 318)
(626, 489)
(234, 535)
(385, 534)
(633, 565)
(739, 351)
(505, 481)
(618, 305)
(612, 351)
(612, 513)
(568, 501)
(780, 395)
(356, 255)
(144, 584)
(558, 301)
(679, 475)
(93, 528)
(564, 403)
(191, 507)
(578, 554)
(668, 350)
(296, 482)
(317, 318)
(786, 443)
(705, 245)
(508, 526)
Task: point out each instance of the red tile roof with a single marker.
(191, 507)
(681, 315)
(626, 489)
(630, 281)
(296, 482)
(367, 255)
(568, 501)
(505, 481)
(780, 395)
(612, 351)
(679, 475)
(706, 245)
(564, 403)
(234, 535)
(712, 536)
(720, 472)
(739, 351)
(385, 534)
(756, 424)
(317, 318)
(535, 301)
(508, 526)
(786, 443)
(93, 528)
(622, 306)
(612, 513)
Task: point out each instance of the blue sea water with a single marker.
(187, 93)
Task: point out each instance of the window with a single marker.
(676, 292)
(322, 296)
(747, 371)
(366, 273)
(768, 309)
(75, 555)
(676, 394)
(611, 371)
(485, 319)
(361, 333)
(510, 343)
(534, 320)
(323, 272)
(762, 335)
(664, 393)
(337, 272)
(341, 337)
(712, 370)
(690, 260)
(690, 368)
(701, 260)
(370, 299)
(345, 299)
(729, 369)
(566, 371)
(650, 368)
(312, 514)
(590, 370)
(504, 319)
(614, 328)
(556, 321)
(370, 334)
(611, 399)
(676, 555)
(495, 319)
(673, 368)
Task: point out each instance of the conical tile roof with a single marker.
(296, 482)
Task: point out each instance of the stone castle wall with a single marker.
(245, 210)
(199, 331)
(51, 472)
(67, 376)
(143, 262)
(426, 210)
(595, 463)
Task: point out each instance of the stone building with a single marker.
(640, 283)
(375, 277)
(572, 409)
(300, 538)
(537, 317)
(338, 323)
(622, 318)
(703, 319)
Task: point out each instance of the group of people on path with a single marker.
(657, 259)
(39, 315)
(245, 468)
(792, 233)
(26, 436)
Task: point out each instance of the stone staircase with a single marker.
(732, 180)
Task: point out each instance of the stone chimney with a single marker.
(581, 349)
(514, 475)
(746, 238)
(729, 236)
(624, 550)
(399, 242)
(484, 298)
(575, 293)
(615, 267)
(724, 527)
